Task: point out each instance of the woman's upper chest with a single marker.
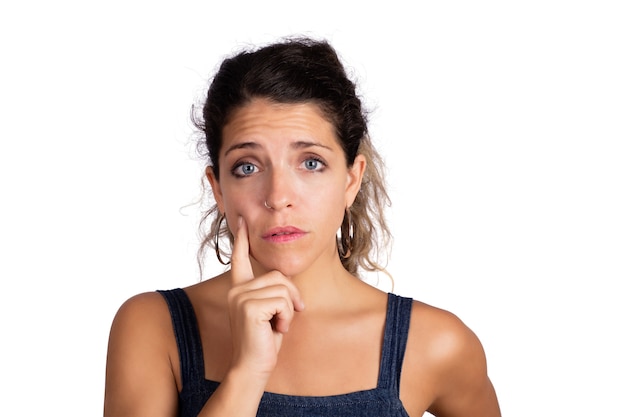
(321, 355)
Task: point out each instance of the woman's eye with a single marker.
(313, 164)
(244, 169)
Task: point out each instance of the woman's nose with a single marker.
(279, 194)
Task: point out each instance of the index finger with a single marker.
(241, 268)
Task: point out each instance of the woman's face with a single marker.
(287, 157)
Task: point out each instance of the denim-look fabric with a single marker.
(382, 401)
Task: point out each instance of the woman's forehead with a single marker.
(262, 119)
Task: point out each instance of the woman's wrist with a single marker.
(239, 394)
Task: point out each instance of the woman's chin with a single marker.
(289, 268)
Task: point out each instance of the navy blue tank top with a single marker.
(382, 401)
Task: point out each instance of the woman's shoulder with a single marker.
(442, 354)
(146, 317)
(441, 337)
(143, 317)
(141, 307)
(438, 328)
(151, 309)
(141, 348)
(152, 305)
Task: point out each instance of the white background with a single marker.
(502, 123)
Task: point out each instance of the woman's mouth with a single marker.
(283, 234)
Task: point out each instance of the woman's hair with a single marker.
(299, 70)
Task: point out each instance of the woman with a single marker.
(290, 329)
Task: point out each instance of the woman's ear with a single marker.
(355, 177)
(215, 187)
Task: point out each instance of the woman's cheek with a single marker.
(241, 206)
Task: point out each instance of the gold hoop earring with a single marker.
(347, 235)
(216, 241)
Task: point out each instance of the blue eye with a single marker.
(244, 169)
(313, 164)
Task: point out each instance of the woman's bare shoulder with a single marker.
(440, 333)
(445, 359)
(139, 375)
(142, 324)
(141, 312)
(150, 308)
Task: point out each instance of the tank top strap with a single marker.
(187, 336)
(394, 341)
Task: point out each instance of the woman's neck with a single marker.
(324, 285)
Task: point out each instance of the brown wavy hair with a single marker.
(298, 70)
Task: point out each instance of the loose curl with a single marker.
(298, 70)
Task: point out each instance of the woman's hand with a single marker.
(261, 310)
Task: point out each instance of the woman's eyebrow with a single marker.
(301, 144)
(242, 145)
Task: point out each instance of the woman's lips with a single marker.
(283, 234)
